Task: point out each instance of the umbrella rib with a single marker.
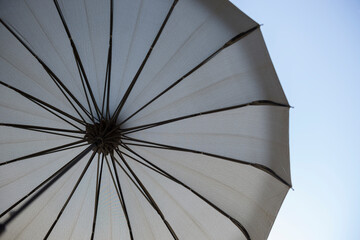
(156, 124)
(132, 180)
(77, 58)
(97, 174)
(32, 13)
(54, 133)
(110, 57)
(145, 145)
(227, 44)
(70, 195)
(122, 199)
(108, 66)
(91, 115)
(76, 110)
(157, 169)
(47, 151)
(52, 75)
(43, 187)
(152, 166)
(151, 125)
(113, 179)
(98, 185)
(105, 92)
(57, 115)
(148, 195)
(174, 148)
(22, 126)
(40, 129)
(129, 89)
(42, 103)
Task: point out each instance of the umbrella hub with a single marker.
(105, 134)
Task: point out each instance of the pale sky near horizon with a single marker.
(315, 47)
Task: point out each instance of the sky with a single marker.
(315, 47)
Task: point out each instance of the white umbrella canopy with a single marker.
(138, 119)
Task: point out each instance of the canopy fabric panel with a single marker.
(18, 143)
(188, 215)
(111, 223)
(18, 179)
(41, 29)
(143, 218)
(36, 220)
(258, 136)
(136, 24)
(246, 76)
(20, 70)
(21, 110)
(195, 30)
(247, 194)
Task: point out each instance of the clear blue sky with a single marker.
(315, 47)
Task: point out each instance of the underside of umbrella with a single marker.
(138, 119)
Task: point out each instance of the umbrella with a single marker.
(138, 119)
